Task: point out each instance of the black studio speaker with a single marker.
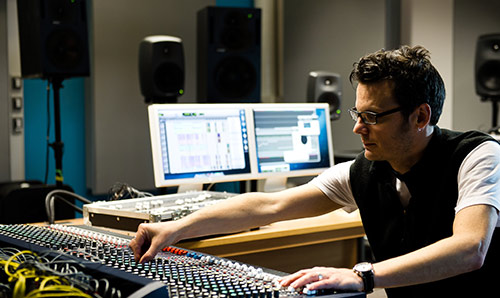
(53, 38)
(161, 68)
(229, 54)
(487, 66)
(324, 86)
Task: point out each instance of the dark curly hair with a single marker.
(416, 80)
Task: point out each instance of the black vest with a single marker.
(393, 230)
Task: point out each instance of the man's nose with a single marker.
(360, 127)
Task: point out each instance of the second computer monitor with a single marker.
(291, 140)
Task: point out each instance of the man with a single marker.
(429, 198)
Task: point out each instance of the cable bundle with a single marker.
(120, 191)
(26, 274)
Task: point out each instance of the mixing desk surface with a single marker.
(128, 214)
(175, 272)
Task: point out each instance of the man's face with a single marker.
(390, 139)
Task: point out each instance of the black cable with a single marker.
(47, 137)
(121, 191)
(51, 196)
(62, 199)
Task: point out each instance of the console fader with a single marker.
(182, 273)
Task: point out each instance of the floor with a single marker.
(377, 293)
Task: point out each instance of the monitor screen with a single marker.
(196, 144)
(199, 144)
(292, 140)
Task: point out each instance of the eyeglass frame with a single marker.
(355, 114)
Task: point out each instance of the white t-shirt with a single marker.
(478, 181)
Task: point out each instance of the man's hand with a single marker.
(150, 239)
(318, 278)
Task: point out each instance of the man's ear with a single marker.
(423, 113)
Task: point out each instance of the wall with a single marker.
(330, 35)
(118, 144)
(471, 19)
(4, 100)
(455, 27)
(11, 142)
(72, 105)
(419, 18)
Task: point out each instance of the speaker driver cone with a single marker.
(64, 49)
(168, 78)
(235, 77)
(489, 75)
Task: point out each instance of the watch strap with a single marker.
(368, 279)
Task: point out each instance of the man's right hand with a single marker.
(150, 238)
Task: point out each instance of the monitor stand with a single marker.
(274, 184)
(189, 188)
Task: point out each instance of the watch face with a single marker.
(363, 267)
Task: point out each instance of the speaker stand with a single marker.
(57, 145)
(494, 101)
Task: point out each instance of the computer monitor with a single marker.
(196, 144)
(291, 140)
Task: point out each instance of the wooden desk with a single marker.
(327, 240)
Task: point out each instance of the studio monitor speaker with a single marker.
(53, 38)
(487, 66)
(161, 68)
(229, 54)
(324, 86)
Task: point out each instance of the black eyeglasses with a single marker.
(369, 117)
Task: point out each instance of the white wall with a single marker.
(118, 131)
(449, 29)
(11, 143)
(330, 35)
(429, 23)
(471, 19)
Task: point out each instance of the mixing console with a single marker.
(128, 214)
(181, 273)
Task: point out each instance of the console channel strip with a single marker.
(183, 273)
(128, 214)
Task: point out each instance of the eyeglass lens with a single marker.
(367, 118)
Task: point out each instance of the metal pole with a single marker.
(58, 145)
